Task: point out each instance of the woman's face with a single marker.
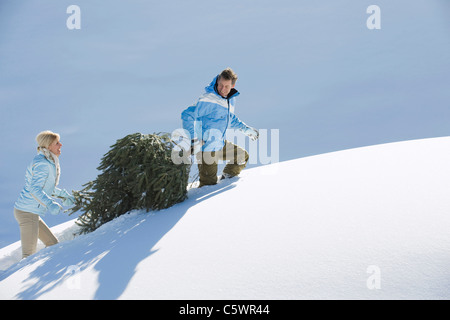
(55, 147)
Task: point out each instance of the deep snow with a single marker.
(366, 223)
(311, 69)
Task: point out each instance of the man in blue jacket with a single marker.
(207, 122)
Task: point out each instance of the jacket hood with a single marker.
(212, 88)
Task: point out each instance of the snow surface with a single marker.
(315, 227)
(311, 69)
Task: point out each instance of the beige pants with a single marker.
(207, 162)
(33, 227)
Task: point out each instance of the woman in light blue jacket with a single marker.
(35, 200)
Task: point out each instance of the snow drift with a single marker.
(366, 223)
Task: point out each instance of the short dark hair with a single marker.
(228, 74)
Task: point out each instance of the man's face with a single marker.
(224, 87)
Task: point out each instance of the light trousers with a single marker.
(207, 162)
(32, 228)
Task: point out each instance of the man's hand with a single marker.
(252, 133)
(196, 146)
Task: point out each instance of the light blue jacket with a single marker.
(209, 119)
(40, 186)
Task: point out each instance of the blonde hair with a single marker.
(228, 74)
(46, 138)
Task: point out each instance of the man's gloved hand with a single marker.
(54, 208)
(252, 133)
(196, 146)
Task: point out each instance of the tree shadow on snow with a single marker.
(113, 251)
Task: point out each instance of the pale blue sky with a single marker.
(311, 69)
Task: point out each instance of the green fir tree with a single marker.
(137, 173)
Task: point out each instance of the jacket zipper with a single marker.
(228, 118)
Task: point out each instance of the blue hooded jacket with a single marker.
(209, 119)
(40, 186)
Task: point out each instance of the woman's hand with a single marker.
(54, 208)
(69, 201)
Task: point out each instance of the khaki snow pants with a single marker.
(33, 227)
(208, 161)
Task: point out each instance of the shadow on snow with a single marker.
(114, 250)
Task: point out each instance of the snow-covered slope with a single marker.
(367, 223)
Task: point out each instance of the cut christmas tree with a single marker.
(137, 173)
